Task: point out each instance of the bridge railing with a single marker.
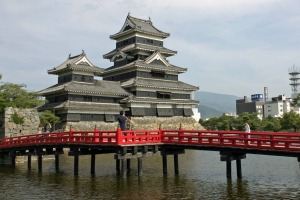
(103, 137)
(238, 139)
(130, 137)
(258, 140)
(71, 137)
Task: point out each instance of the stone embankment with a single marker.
(139, 123)
(31, 123)
(29, 126)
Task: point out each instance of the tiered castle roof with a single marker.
(78, 63)
(99, 87)
(133, 24)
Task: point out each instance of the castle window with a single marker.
(149, 41)
(157, 74)
(163, 95)
(83, 78)
(87, 98)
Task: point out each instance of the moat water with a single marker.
(202, 176)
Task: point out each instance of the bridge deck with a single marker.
(188, 139)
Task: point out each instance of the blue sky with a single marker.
(229, 47)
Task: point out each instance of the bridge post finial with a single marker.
(95, 129)
(70, 131)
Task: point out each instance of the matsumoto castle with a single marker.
(141, 82)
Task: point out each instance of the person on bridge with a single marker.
(47, 128)
(247, 127)
(122, 120)
(247, 130)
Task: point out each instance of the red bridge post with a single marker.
(96, 134)
(118, 136)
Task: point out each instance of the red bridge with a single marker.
(232, 145)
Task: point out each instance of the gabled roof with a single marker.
(158, 84)
(133, 24)
(157, 56)
(119, 54)
(100, 87)
(150, 48)
(77, 63)
(142, 65)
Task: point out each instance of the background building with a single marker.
(277, 107)
(253, 106)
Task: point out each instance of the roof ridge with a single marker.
(139, 19)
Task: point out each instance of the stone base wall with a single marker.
(31, 123)
(10, 129)
(139, 123)
(175, 122)
(88, 126)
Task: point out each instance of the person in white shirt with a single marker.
(247, 128)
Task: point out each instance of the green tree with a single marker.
(225, 122)
(271, 124)
(296, 101)
(15, 95)
(48, 117)
(290, 120)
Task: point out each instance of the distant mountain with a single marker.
(208, 112)
(213, 104)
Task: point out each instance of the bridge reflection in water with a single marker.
(138, 144)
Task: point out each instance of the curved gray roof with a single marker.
(158, 84)
(77, 63)
(139, 25)
(142, 64)
(165, 51)
(133, 99)
(85, 106)
(99, 87)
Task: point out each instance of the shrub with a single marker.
(17, 119)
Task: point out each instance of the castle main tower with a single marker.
(140, 64)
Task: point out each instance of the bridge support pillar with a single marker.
(124, 162)
(124, 168)
(140, 166)
(228, 167)
(93, 159)
(176, 165)
(128, 162)
(238, 168)
(230, 156)
(118, 166)
(175, 153)
(13, 158)
(40, 159)
(29, 161)
(76, 162)
(56, 162)
(165, 164)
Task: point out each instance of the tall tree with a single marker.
(15, 95)
(48, 117)
(290, 120)
(296, 101)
